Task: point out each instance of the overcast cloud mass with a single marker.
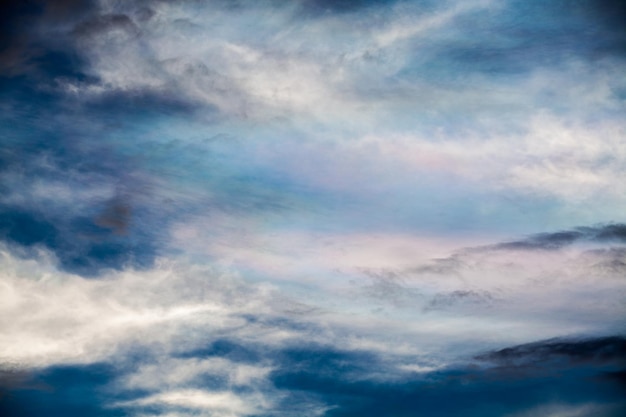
(312, 208)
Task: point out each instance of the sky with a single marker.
(312, 208)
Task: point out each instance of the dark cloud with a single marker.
(339, 379)
(544, 241)
(28, 35)
(342, 6)
(597, 351)
(356, 382)
(557, 240)
(611, 232)
(105, 23)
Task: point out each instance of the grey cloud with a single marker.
(544, 241)
(12, 379)
(459, 297)
(103, 23)
(557, 240)
(599, 350)
(442, 266)
(610, 261)
(475, 278)
(611, 232)
(389, 287)
(25, 34)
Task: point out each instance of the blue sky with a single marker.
(312, 208)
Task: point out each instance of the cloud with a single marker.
(186, 339)
(609, 350)
(326, 381)
(268, 197)
(556, 280)
(23, 49)
(476, 391)
(327, 7)
(351, 126)
(152, 330)
(220, 404)
(76, 200)
(105, 23)
(557, 240)
(68, 391)
(446, 300)
(564, 410)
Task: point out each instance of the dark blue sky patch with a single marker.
(328, 363)
(86, 235)
(339, 380)
(26, 228)
(225, 348)
(341, 7)
(138, 105)
(610, 15)
(26, 46)
(517, 37)
(64, 391)
(50, 139)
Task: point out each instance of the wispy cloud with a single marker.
(331, 208)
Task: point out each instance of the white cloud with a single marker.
(262, 68)
(408, 27)
(169, 373)
(218, 404)
(60, 318)
(48, 317)
(360, 126)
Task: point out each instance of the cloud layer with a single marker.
(320, 208)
